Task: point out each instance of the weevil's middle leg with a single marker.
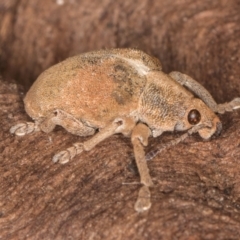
(119, 125)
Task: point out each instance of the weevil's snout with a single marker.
(214, 127)
(200, 116)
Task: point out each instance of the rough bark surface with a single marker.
(196, 193)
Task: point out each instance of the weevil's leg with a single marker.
(57, 117)
(22, 129)
(196, 88)
(67, 121)
(201, 92)
(229, 106)
(139, 139)
(119, 125)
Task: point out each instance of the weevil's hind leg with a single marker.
(67, 121)
(202, 93)
(119, 125)
(139, 139)
(196, 88)
(47, 124)
(22, 129)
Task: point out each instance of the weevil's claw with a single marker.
(61, 157)
(68, 154)
(22, 129)
(18, 129)
(143, 202)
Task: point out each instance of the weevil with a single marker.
(105, 92)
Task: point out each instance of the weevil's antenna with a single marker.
(228, 106)
(159, 149)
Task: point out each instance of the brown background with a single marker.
(197, 185)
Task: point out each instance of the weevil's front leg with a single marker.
(119, 125)
(139, 139)
(202, 93)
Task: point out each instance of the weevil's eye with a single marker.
(194, 117)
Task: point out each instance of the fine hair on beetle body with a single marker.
(105, 92)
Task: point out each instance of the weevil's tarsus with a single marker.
(155, 152)
(22, 129)
(143, 202)
(64, 156)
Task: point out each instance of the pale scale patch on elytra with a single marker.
(141, 68)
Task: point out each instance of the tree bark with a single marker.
(196, 193)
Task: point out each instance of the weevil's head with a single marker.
(195, 118)
(167, 106)
(200, 117)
